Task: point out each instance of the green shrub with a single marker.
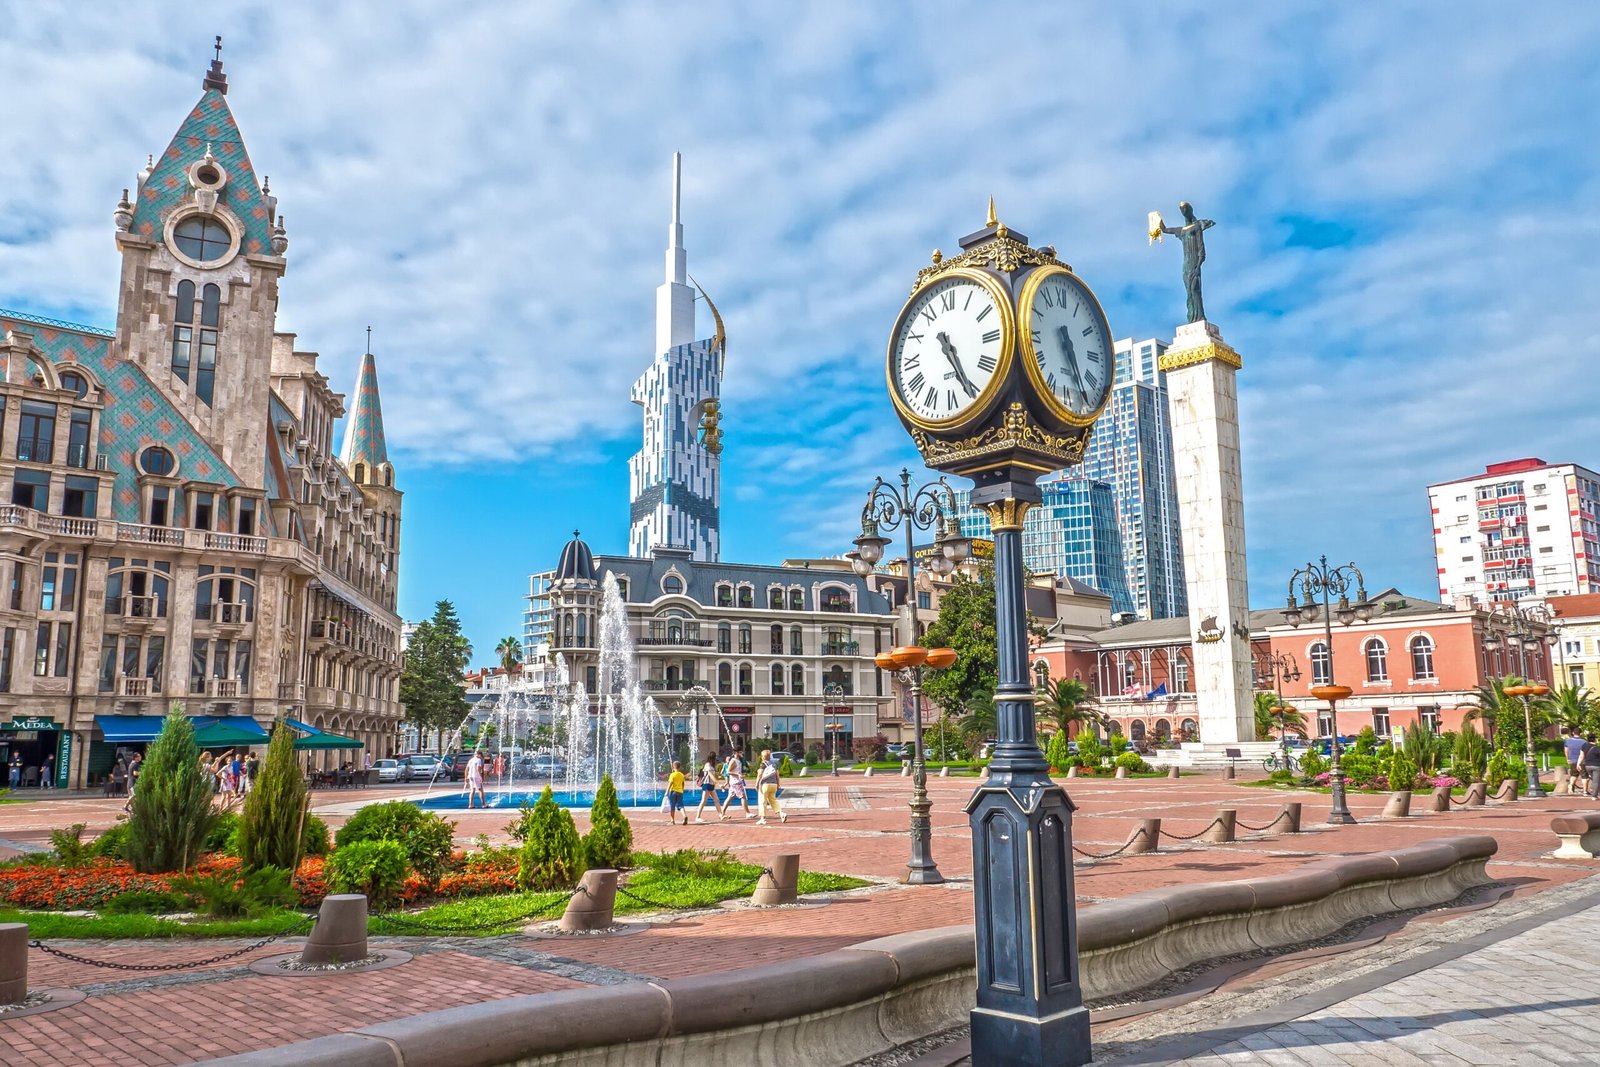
(610, 837)
(224, 835)
(551, 854)
(315, 839)
(1402, 771)
(1283, 775)
(1313, 763)
(813, 756)
(689, 862)
(1113, 747)
(272, 887)
(68, 848)
(1057, 753)
(375, 868)
(1133, 762)
(1501, 765)
(427, 838)
(1073, 761)
(1090, 749)
(220, 896)
(518, 828)
(172, 810)
(1469, 756)
(271, 832)
(144, 902)
(1358, 768)
(785, 768)
(111, 844)
(1366, 742)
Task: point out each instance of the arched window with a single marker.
(75, 383)
(583, 630)
(835, 599)
(137, 588)
(797, 680)
(1422, 657)
(777, 679)
(182, 330)
(675, 631)
(724, 596)
(797, 600)
(225, 595)
(1377, 654)
(1163, 730)
(672, 585)
(202, 239)
(747, 596)
(1136, 731)
(205, 368)
(724, 638)
(1321, 664)
(775, 599)
(744, 639)
(746, 682)
(725, 678)
(777, 640)
(796, 642)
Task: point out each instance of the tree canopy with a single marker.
(966, 623)
(435, 665)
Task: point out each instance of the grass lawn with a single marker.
(49, 924)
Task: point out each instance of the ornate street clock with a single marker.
(1001, 361)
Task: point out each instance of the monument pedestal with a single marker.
(1204, 401)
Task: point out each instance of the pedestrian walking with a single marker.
(475, 781)
(251, 765)
(1572, 746)
(675, 794)
(708, 789)
(767, 789)
(47, 772)
(119, 777)
(236, 775)
(733, 771)
(1590, 762)
(16, 771)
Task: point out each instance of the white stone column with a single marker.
(1204, 401)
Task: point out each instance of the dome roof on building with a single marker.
(576, 561)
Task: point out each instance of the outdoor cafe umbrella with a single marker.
(225, 735)
(325, 741)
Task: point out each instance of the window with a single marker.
(724, 638)
(157, 460)
(160, 505)
(777, 679)
(182, 331)
(1377, 660)
(1321, 665)
(777, 640)
(138, 588)
(746, 682)
(775, 599)
(744, 639)
(81, 497)
(58, 582)
(7, 647)
(796, 642)
(1576, 675)
(1180, 671)
(75, 383)
(788, 732)
(1422, 657)
(31, 489)
(1324, 723)
(725, 679)
(36, 432)
(835, 599)
(78, 438)
(205, 372)
(797, 600)
(747, 597)
(1428, 718)
(925, 601)
(724, 596)
(43, 663)
(797, 680)
(202, 511)
(202, 238)
(1380, 721)
(672, 585)
(245, 519)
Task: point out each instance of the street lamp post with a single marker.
(1522, 633)
(1280, 667)
(836, 725)
(1320, 581)
(889, 507)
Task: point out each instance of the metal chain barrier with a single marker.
(1458, 803)
(1190, 837)
(738, 891)
(543, 911)
(303, 921)
(1242, 825)
(1134, 837)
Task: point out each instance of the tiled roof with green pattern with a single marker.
(210, 123)
(363, 434)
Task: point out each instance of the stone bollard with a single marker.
(781, 886)
(1227, 772)
(944, 772)
(1172, 772)
(1507, 791)
(868, 772)
(1560, 780)
(804, 771)
(1224, 830)
(1122, 772)
(340, 935)
(1441, 798)
(13, 962)
(1399, 805)
(1477, 793)
(905, 769)
(1289, 816)
(1146, 837)
(1072, 772)
(593, 906)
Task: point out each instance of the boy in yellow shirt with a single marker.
(675, 794)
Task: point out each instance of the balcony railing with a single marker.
(680, 642)
(133, 687)
(672, 684)
(236, 542)
(149, 535)
(137, 607)
(293, 692)
(841, 648)
(224, 613)
(222, 687)
(67, 526)
(12, 515)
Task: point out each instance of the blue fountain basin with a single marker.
(646, 799)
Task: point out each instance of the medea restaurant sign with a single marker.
(31, 722)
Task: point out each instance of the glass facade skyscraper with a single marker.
(1072, 532)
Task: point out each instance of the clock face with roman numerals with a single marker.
(1066, 344)
(951, 349)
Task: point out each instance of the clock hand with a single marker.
(1065, 336)
(955, 363)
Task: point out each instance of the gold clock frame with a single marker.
(998, 380)
(1030, 360)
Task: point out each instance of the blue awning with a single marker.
(302, 727)
(147, 727)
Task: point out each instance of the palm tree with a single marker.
(510, 652)
(1065, 701)
(1572, 705)
(978, 724)
(1269, 718)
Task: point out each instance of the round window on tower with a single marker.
(202, 238)
(157, 460)
(75, 383)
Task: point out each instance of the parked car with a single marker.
(454, 766)
(417, 767)
(900, 749)
(543, 765)
(388, 770)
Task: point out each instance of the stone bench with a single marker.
(1579, 835)
(852, 1003)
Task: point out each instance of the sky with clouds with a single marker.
(1407, 198)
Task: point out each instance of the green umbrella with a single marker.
(223, 735)
(321, 741)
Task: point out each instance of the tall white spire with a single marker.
(674, 298)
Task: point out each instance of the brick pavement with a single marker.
(850, 825)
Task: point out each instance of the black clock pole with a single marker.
(1030, 1003)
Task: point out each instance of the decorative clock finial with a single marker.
(938, 257)
(369, 340)
(992, 218)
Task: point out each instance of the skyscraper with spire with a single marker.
(675, 479)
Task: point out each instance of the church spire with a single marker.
(215, 79)
(674, 297)
(363, 431)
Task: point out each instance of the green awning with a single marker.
(226, 735)
(324, 740)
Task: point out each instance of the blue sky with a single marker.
(1406, 196)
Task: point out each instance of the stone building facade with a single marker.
(177, 526)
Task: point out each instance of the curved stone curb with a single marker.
(273, 965)
(59, 998)
(856, 1002)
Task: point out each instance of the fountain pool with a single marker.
(630, 799)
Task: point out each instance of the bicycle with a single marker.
(1277, 761)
